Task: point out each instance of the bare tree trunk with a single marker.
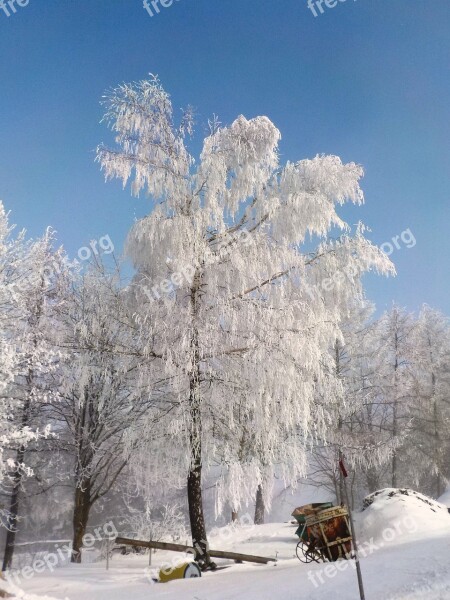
(18, 474)
(15, 496)
(194, 481)
(341, 489)
(341, 499)
(234, 516)
(394, 483)
(335, 487)
(260, 508)
(196, 515)
(337, 360)
(372, 479)
(437, 441)
(80, 518)
(352, 492)
(394, 461)
(13, 511)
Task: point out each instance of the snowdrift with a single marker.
(395, 515)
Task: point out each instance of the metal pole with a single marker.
(107, 554)
(352, 527)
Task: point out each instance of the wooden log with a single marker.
(155, 545)
(182, 548)
(263, 560)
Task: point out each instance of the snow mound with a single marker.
(391, 515)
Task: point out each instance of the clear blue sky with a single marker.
(367, 80)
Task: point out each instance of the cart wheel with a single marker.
(192, 570)
(306, 554)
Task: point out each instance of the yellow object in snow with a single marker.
(184, 571)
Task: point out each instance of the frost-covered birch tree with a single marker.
(227, 298)
(24, 352)
(356, 417)
(12, 274)
(431, 407)
(102, 391)
(397, 358)
(43, 287)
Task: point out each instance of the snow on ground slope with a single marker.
(409, 562)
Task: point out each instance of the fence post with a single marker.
(352, 527)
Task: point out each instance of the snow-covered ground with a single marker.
(405, 539)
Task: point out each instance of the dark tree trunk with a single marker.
(18, 473)
(196, 516)
(337, 360)
(394, 482)
(437, 438)
(373, 480)
(15, 493)
(234, 516)
(13, 511)
(260, 508)
(80, 518)
(341, 499)
(194, 482)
